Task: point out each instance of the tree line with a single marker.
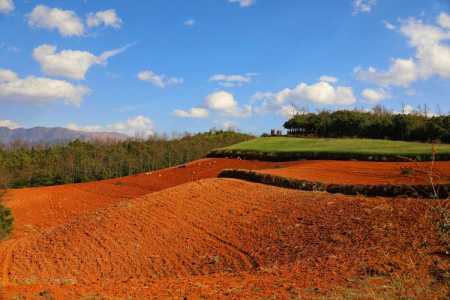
(376, 124)
(23, 165)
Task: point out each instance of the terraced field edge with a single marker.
(290, 148)
(292, 156)
(441, 191)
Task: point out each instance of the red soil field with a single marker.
(37, 209)
(370, 173)
(173, 235)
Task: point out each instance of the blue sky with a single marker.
(190, 65)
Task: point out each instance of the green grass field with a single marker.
(284, 148)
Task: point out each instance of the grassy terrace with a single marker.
(288, 148)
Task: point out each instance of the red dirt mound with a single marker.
(223, 238)
(370, 173)
(38, 209)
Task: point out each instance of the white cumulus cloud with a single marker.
(69, 63)
(363, 6)
(329, 79)
(288, 111)
(287, 101)
(7, 76)
(6, 6)
(444, 20)
(189, 23)
(139, 126)
(39, 90)
(232, 80)
(159, 80)
(224, 103)
(65, 21)
(10, 124)
(389, 25)
(194, 113)
(243, 3)
(108, 18)
(432, 55)
(220, 102)
(319, 93)
(374, 96)
(402, 72)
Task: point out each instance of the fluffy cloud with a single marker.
(287, 101)
(444, 20)
(230, 126)
(161, 80)
(243, 3)
(375, 96)
(69, 63)
(320, 93)
(363, 6)
(225, 104)
(6, 6)
(232, 80)
(195, 113)
(432, 55)
(7, 76)
(189, 23)
(139, 126)
(402, 72)
(329, 79)
(39, 90)
(220, 102)
(105, 18)
(65, 21)
(288, 111)
(10, 124)
(388, 25)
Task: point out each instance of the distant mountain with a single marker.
(53, 135)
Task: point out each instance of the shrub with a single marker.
(6, 222)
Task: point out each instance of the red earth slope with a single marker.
(207, 237)
(370, 173)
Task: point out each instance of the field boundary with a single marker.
(304, 155)
(388, 190)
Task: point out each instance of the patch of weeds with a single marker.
(65, 281)
(443, 225)
(396, 287)
(407, 171)
(29, 281)
(442, 275)
(93, 297)
(46, 295)
(273, 297)
(6, 222)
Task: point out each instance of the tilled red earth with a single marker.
(213, 239)
(370, 173)
(38, 209)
